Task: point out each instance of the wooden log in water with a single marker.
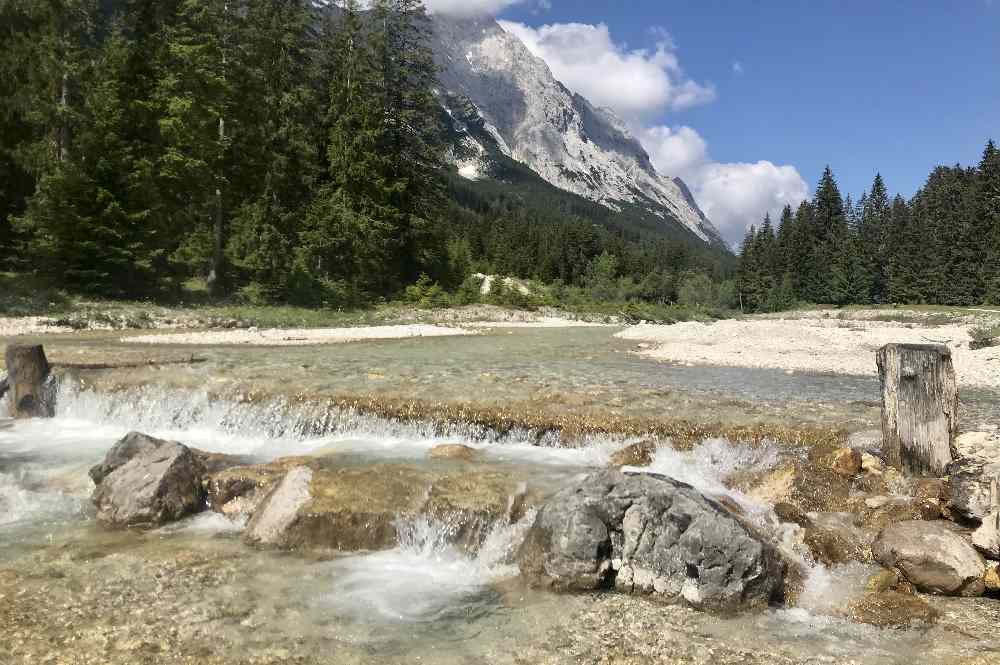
(919, 407)
(28, 371)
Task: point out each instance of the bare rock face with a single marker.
(651, 535)
(238, 490)
(316, 505)
(971, 486)
(932, 557)
(146, 482)
(987, 537)
(281, 507)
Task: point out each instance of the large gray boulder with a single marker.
(932, 557)
(970, 484)
(652, 535)
(146, 482)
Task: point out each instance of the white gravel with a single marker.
(302, 337)
(544, 322)
(28, 325)
(809, 345)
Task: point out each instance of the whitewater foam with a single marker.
(425, 578)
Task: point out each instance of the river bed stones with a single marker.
(986, 538)
(932, 557)
(806, 484)
(355, 508)
(145, 482)
(971, 485)
(649, 535)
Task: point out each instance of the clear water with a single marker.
(424, 600)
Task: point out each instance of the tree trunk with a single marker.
(64, 119)
(27, 374)
(919, 407)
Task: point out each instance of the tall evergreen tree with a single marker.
(988, 210)
(829, 238)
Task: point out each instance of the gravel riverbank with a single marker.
(810, 345)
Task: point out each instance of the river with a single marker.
(192, 592)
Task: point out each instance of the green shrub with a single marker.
(984, 336)
(427, 294)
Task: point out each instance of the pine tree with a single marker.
(196, 98)
(988, 210)
(830, 232)
(101, 219)
(275, 117)
(45, 56)
(873, 241)
(906, 255)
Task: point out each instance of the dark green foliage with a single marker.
(942, 247)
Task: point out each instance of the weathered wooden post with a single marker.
(919, 407)
(27, 373)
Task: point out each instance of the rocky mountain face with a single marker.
(504, 100)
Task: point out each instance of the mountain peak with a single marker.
(569, 142)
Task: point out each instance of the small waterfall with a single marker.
(425, 578)
(279, 427)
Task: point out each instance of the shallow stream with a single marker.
(194, 593)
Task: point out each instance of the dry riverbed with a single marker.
(811, 343)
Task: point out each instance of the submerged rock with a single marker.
(649, 534)
(147, 482)
(834, 538)
(637, 454)
(808, 485)
(453, 451)
(358, 508)
(932, 557)
(891, 609)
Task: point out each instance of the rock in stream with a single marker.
(147, 482)
(650, 535)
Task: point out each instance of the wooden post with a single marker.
(27, 372)
(919, 407)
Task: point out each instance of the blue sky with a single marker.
(888, 86)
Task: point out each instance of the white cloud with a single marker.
(733, 196)
(635, 83)
(677, 152)
(466, 8)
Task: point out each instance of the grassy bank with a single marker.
(24, 296)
